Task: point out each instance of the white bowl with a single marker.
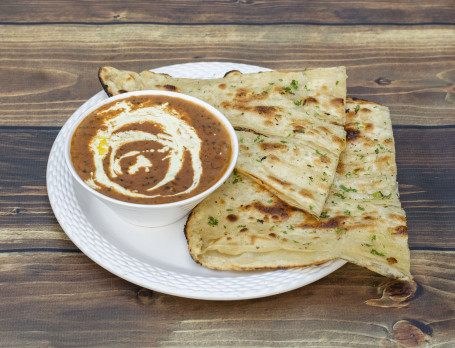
(152, 215)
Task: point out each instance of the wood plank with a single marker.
(245, 11)
(426, 168)
(46, 77)
(60, 299)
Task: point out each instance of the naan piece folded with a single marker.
(243, 226)
(290, 124)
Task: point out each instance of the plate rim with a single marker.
(324, 269)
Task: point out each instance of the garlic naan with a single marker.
(243, 226)
(290, 125)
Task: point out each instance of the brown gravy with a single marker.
(151, 160)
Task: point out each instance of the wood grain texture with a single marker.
(397, 53)
(411, 70)
(425, 174)
(81, 302)
(225, 11)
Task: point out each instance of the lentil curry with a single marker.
(151, 149)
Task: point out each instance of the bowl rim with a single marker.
(218, 114)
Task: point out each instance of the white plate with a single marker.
(158, 258)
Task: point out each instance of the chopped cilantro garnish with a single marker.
(324, 215)
(320, 154)
(347, 212)
(360, 208)
(294, 84)
(258, 139)
(237, 177)
(347, 189)
(212, 221)
(357, 108)
(340, 195)
(378, 194)
(375, 252)
(340, 231)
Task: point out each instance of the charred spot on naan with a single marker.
(306, 193)
(397, 217)
(341, 168)
(170, 88)
(278, 210)
(298, 129)
(267, 112)
(279, 182)
(384, 162)
(391, 260)
(337, 102)
(324, 131)
(322, 158)
(241, 129)
(232, 73)
(310, 100)
(324, 223)
(401, 230)
(232, 218)
(352, 134)
(102, 78)
(272, 146)
(340, 141)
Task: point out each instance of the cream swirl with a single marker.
(176, 138)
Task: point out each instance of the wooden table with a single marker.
(397, 53)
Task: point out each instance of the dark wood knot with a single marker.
(382, 81)
(144, 296)
(411, 333)
(395, 293)
(16, 211)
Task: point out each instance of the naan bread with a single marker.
(243, 226)
(289, 124)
